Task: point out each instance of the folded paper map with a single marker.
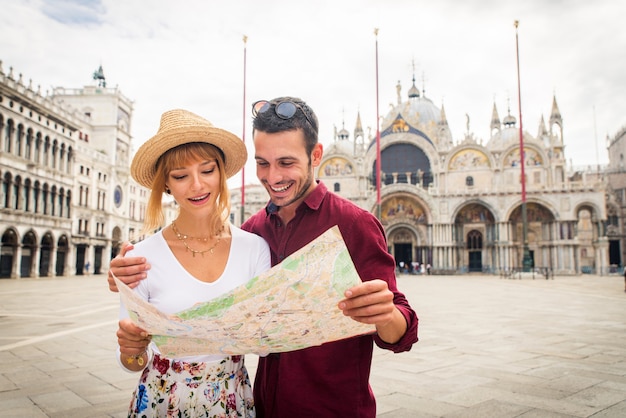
(289, 307)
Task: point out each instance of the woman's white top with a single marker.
(171, 289)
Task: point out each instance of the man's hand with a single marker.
(371, 302)
(129, 270)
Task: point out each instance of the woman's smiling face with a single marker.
(195, 185)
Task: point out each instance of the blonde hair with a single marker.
(178, 157)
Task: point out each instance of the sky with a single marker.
(189, 54)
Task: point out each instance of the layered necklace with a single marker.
(184, 237)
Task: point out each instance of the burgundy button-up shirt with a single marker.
(331, 380)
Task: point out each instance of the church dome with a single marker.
(418, 111)
(509, 120)
(340, 147)
(343, 134)
(425, 110)
(507, 137)
(509, 133)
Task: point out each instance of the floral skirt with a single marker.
(171, 388)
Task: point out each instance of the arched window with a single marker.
(68, 203)
(62, 161)
(44, 199)
(27, 187)
(36, 194)
(29, 145)
(7, 136)
(55, 149)
(68, 168)
(61, 201)
(38, 145)
(469, 181)
(18, 140)
(46, 152)
(6, 190)
(337, 187)
(16, 193)
(474, 240)
(53, 200)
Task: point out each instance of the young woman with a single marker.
(197, 257)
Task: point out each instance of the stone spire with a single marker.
(555, 115)
(444, 119)
(358, 129)
(542, 128)
(556, 120)
(495, 118)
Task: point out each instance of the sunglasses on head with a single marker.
(284, 110)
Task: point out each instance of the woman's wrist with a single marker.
(141, 359)
(137, 358)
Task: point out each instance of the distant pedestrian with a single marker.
(87, 265)
(624, 279)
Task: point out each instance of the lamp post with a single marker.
(378, 163)
(526, 260)
(243, 135)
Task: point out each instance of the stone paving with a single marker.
(490, 347)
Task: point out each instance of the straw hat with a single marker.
(182, 127)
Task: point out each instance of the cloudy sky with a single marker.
(165, 54)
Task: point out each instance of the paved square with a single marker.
(489, 347)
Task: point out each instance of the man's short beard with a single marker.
(303, 191)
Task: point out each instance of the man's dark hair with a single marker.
(270, 122)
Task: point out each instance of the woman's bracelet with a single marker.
(139, 357)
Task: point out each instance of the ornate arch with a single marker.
(335, 166)
(468, 158)
(403, 208)
(533, 157)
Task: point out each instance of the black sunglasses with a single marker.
(284, 110)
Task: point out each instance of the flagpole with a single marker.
(526, 260)
(243, 134)
(378, 164)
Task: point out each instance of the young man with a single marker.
(331, 380)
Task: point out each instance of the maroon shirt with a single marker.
(331, 380)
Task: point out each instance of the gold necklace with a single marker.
(183, 237)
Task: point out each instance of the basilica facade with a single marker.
(456, 204)
(67, 200)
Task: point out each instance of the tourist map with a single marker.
(289, 307)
